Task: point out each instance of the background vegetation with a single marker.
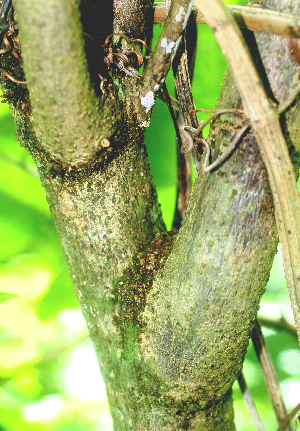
(48, 372)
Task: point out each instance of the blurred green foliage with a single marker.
(48, 372)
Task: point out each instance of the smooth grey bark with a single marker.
(169, 314)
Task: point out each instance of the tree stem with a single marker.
(265, 123)
(65, 107)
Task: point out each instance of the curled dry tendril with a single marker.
(9, 47)
(8, 32)
(8, 76)
(121, 59)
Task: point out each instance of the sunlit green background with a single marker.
(48, 372)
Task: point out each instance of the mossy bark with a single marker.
(170, 314)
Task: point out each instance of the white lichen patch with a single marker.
(163, 80)
(180, 14)
(164, 42)
(148, 101)
(187, 15)
(144, 123)
(169, 46)
(156, 87)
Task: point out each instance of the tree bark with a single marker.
(170, 314)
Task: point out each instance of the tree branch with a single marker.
(288, 418)
(183, 72)
(278, 324)
(266, 20)
(269, 373)
(63, 100)
(252, 18)
(250, 403)
(129, 17)
(164, 52)
(184, 94)
(265, 123)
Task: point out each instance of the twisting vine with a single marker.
(9, 37)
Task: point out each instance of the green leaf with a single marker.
(4, 296)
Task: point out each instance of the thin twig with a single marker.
(19, 164)
(215, 112)
(250, 403)
(269, 373)
(278, 323)
(190, 139)
(287, 419)
(175, 124)
(185, 182)
(222, 111)
(182, 66)
(297, 416)
(266, 21)
(252, 18)
(185, 96)
(286, 103)
(164, 51)
(228, 150)
(207, 155)
(233, 144)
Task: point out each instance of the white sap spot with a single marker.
(156, 87)
(148, 101)
(176, 47)
(163, 80)
(131, 169)
(180, 14)
(187, 15)
(142, 174)
(169, 46)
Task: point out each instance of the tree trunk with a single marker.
(170, 314)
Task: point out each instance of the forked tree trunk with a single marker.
(170, 314)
